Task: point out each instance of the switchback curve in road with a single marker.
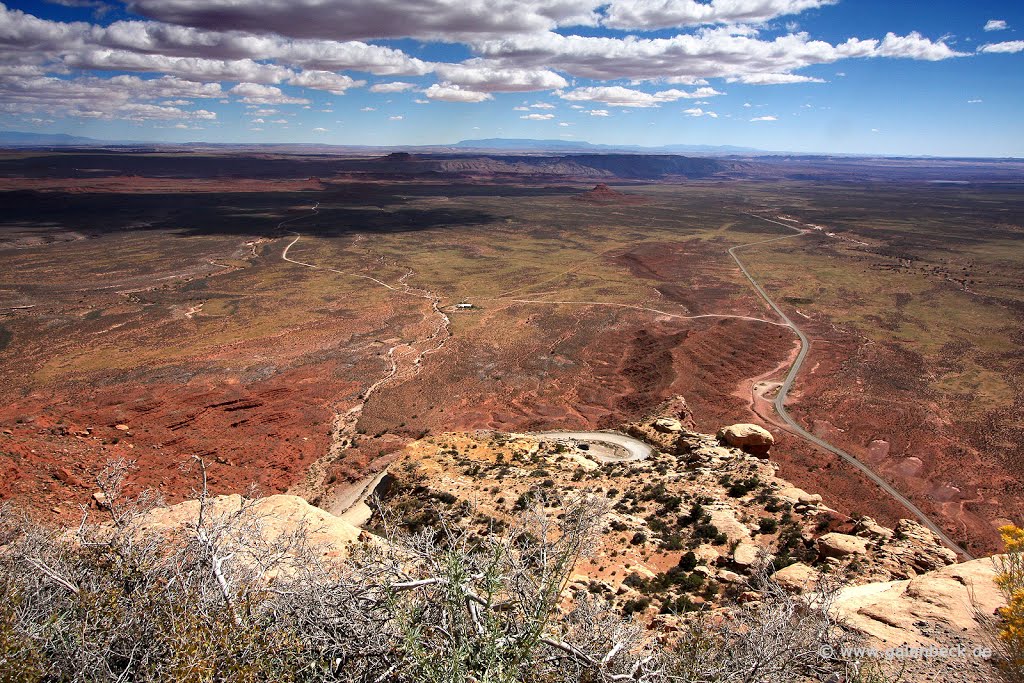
(638, 450)
(794, 370)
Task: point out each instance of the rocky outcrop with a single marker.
(724, 519)
(938, 609)
(602, 194)
(903, 612)
(694, 495)
(910, 550)
(670, 426)
(841, 545)
(274, 518)
(748, 437)
(797, 577)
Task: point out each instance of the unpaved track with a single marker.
(345, 423)
(787, 384)
(647, 309)
(637, 449)
(443, 325)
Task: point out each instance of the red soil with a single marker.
(264, 433)
(849, 397)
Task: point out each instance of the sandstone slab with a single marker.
(668, 425)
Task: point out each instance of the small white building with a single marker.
(464, 306)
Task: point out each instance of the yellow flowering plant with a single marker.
(1010, 580)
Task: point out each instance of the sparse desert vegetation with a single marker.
(224, 592)
(188, 326)
(707, 370)
(382, 350)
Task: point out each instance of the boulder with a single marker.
(727, 576)
(64, 474)
(668, 425)
(748, 437)
(797, 577)
(869, 527)
(791, 494)
(747, 597)
(841, 545)
(745, 555)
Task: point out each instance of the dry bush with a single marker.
(777, 638)
(217, 601)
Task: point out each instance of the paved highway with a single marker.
(794, 370)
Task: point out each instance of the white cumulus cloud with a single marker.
(455, 93)
(1009, 47)
(483, 76)
(619, 96)
(655, 14)
(394, 86)
(325, 80)
(254, 93)
(698, 112)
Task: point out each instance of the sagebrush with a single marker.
(218, 599)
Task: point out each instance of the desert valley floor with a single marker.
(299, 332)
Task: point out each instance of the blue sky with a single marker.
(846, 76)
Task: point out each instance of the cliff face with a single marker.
(696, 524)
(625, 166)
(938, 612)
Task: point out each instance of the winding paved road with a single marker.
(638, 450)
(794, 370)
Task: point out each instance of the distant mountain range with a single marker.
(23, 139)
(523, 144)
(19, 139)
(485, 146)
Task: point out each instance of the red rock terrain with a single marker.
(180, 320)
(602, 194)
